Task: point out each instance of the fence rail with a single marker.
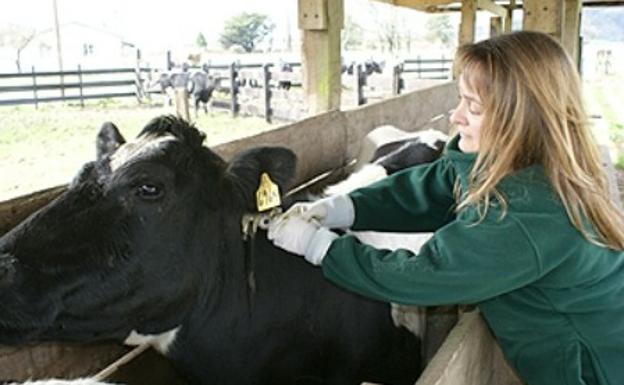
(237, 81)
(51, 86)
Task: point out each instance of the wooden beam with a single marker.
(509, 17)
(496, 26)
(490, 6)
(419, 5)
(571, 28)
(468, 18)
(544, 16)
(321, 22)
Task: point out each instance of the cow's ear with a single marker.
(247, 167)
(108, 140)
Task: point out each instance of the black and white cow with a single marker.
(146, 245)
(201, 85)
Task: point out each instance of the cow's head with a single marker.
(130, 243)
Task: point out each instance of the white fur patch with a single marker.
(431, 136)
(161, 342)
(131, 150)
(368, 174)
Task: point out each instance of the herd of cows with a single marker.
(146, 246)
(201, 84)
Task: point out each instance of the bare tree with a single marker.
(18, 38)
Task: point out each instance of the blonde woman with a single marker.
(524, 225)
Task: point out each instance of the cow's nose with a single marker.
(7, 268)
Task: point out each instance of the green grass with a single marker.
(45, 147)
(604, 97)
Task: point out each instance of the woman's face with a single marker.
(467, 117)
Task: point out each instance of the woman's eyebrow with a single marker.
(470, 98)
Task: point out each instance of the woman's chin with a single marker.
(466, 145)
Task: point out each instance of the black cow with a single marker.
(368, 67)
(147, 241)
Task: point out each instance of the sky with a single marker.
(157, 22)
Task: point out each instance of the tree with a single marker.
(440, 30)
(17, 37)
(246, 30)
(201, 41)
(352, 34)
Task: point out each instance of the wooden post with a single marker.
(234, 89)
(496, 26)
(468, 18)
(169, 64)
(267, 91)
(544, 16)
(80, 86)
(571, 28)
(138, 81)
(419, 66)
(34, 79)
(321, 22)
(397, 81)
(509, 18)
(360, 82)
(182, 103)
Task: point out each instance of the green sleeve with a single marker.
(461, 263)
(418, 199)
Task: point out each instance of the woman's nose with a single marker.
(456, 116)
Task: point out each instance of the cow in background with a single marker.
(146, 246)
(167, 81)
(368, 67)
(201, 86)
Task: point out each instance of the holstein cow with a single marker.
(395, 150)
(146, 245)
(201, 86)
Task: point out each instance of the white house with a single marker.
(82, 45)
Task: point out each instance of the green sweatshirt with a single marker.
(554, 300)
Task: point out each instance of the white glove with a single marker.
(301, 237)
(333, 212)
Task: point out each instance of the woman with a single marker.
(523, 220)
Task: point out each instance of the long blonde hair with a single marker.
(533, 114)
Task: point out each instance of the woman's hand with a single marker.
(333, 212)
(301, 237)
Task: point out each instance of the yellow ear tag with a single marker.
(267, 195)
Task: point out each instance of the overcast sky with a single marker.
(150, 23)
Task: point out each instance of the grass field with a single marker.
(45, 147)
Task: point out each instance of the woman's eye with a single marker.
(475, 108)
(148, 191)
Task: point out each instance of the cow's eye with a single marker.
(149, 191)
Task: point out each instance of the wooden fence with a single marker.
(247, 89)
(79, 85)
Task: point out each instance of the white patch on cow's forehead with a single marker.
(431, 136)
(140, 146)
(161, 342)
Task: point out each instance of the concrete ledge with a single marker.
(469, 356)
